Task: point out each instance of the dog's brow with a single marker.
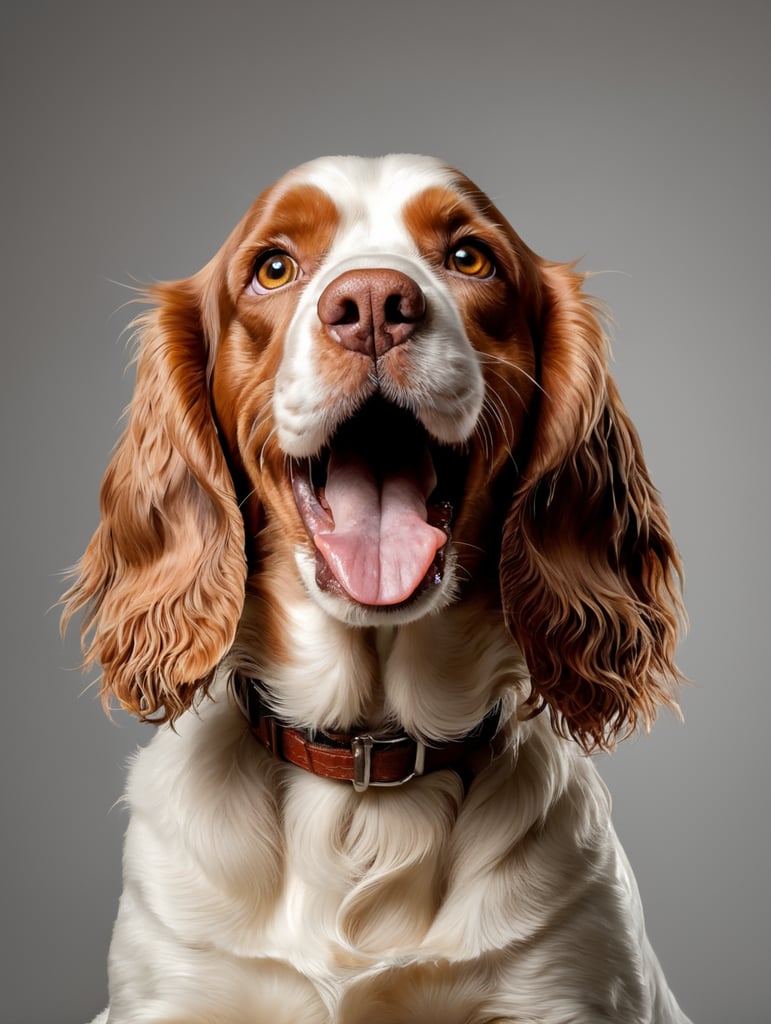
(303, 213)
(442, 212)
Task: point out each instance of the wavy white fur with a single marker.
(256, 892)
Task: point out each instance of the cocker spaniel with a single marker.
(380, 556)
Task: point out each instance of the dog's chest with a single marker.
(356, 897)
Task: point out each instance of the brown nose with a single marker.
(371, 311)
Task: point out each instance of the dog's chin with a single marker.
(432, 596)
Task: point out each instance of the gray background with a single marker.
(634, 135)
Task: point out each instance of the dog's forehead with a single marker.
(390, 179)
(370, 194)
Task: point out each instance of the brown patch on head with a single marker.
(299, 218)
(497, 312)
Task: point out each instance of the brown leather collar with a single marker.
(363, 758)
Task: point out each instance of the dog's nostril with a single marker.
(405, 307)
(350, 313)
(392, 309)
(394, 313)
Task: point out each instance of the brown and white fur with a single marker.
(253, 890)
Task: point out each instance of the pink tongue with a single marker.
(381, 547)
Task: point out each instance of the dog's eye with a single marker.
(471, 259)
(274, 270)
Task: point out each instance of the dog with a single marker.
(380, 557)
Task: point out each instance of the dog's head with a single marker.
(376, 383)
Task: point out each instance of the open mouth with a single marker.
(377, 503)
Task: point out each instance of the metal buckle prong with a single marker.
(362, 747)
(362, 762)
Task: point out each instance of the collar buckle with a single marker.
(363, 746)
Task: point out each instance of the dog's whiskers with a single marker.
(489, 358)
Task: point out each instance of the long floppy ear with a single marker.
(590, 577)
(162, 581)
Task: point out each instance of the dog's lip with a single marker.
(381, 431)
(308, 500)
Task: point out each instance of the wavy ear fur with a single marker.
(162, 581)
(590, 577)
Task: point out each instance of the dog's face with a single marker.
(376, 389)
(374, 369)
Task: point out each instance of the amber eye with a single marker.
(471, 259)
(274, 270)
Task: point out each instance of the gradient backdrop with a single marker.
(634, 135)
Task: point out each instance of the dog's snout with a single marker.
(371, 311)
